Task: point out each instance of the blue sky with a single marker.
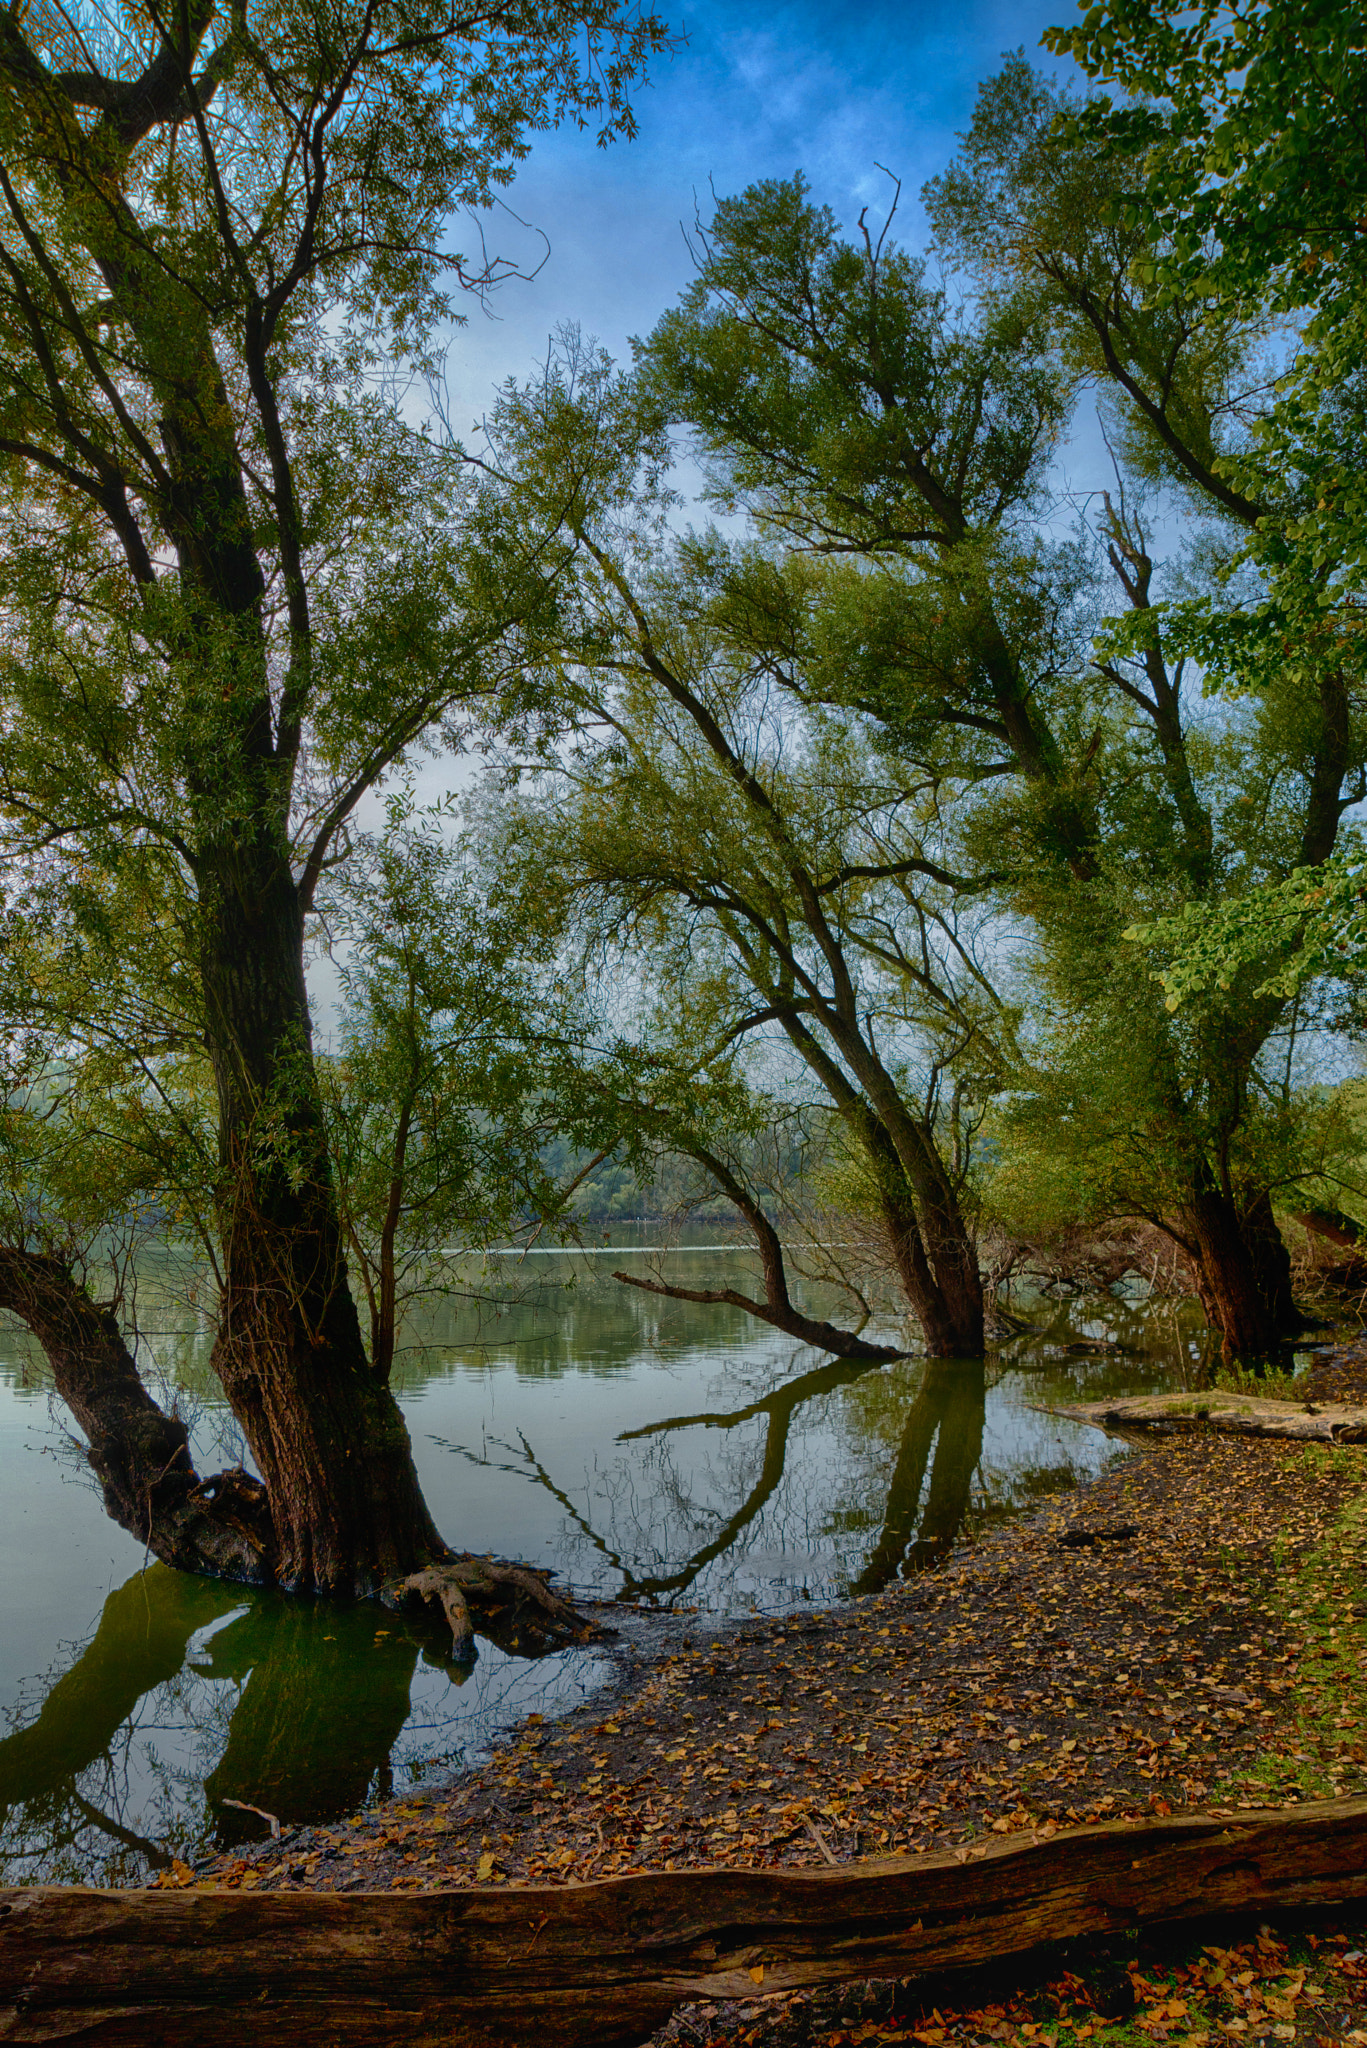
(759, 90)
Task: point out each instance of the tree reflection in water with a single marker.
(779, 1408)
(948, 1412)
(192, 1693)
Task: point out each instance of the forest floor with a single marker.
(1190, 1630)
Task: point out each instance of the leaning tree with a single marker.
(235, 591)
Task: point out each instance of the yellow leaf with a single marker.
(484, 1869)
(757, 1974)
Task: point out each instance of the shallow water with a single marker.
(663, 1453)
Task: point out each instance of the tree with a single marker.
(454, 1064)
(1236, 166)
(757, 863)
(1034, 202)
(838, 399)
(236, 590)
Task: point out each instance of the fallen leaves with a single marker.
(1027, 1686)
(1255, 1990)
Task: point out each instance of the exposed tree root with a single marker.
(516, 1605)
(512, 1604)
(440, 1583)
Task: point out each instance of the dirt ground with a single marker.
(1189, 1631)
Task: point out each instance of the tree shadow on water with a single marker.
(949, 1411)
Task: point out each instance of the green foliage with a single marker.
(774, 889)
(236, 580)
(1268, 1385)
(1246, 121)
(437, 1084)
(1312, 924)
(842, 354)
(1237, 161)
(1032, 207)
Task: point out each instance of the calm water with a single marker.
(658, 1452)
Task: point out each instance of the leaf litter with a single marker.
(1188, 1631)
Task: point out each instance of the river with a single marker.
(654, 1452)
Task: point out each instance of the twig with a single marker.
(814, 1831)
(243, 1807)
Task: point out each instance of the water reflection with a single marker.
(197, 1709)
(949, 1411)
(649, 1451)
(778, 1407)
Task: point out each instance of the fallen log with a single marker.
(605, 1962)
(1319, 1422)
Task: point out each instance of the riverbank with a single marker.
(1190, 1630)
(1061, 1671)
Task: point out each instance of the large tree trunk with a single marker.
(1243, 1273)
(325, 1431)
(932, 1246)
(340, 1510)
(324, 1428)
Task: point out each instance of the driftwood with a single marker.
(605, 1962)
(1319, 1422)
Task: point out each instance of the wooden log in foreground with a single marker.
(605, 1962)
(1322, 1422)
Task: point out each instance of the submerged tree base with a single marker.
(223, 1526)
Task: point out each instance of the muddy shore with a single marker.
(1190, 1630)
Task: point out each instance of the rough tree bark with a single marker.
(139, 1454)
(605, 1963)
(1243, 1272)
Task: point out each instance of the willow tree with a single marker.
(1040, 200)
(235, 590)
(748, 855)
(841, 401)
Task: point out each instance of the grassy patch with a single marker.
(1263, 1386)
(1322, 1596)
